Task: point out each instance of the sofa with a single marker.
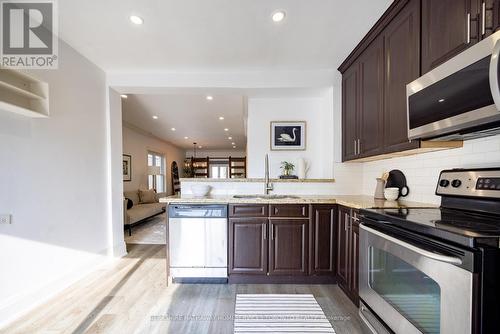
(145, 204)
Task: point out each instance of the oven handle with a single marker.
(494, 84)
(423, 252)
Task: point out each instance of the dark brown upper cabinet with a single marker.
(371, 74)
(248, 246)
(390, 56)
(402, 66)
(323, 240)
(350, 111)
(448, 28)
(288, 246)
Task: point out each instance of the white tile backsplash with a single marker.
(422, 170)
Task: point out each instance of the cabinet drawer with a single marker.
(289, 210)
(248, 210)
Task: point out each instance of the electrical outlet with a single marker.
(5, 219)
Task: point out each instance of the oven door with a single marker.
(412, 289)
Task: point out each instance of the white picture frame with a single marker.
(288, 135)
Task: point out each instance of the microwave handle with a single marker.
(494, 85)
(423, 252)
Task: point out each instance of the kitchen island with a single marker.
(293, 239)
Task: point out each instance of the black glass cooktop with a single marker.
(455, 225)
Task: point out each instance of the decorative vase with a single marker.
(379, 190)
(302, 168)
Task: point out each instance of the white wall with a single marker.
(137, 144)
(53, 176)
(316, 111)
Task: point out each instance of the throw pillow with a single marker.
(147, 196)
(130, 203)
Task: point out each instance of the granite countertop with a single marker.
(352, 201)
(257, 180)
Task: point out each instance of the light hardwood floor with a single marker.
(131, 296)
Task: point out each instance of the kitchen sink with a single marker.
(265, 196)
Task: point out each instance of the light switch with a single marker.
(5, 219)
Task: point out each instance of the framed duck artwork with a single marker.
(288, 136)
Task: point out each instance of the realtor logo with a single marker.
(28, 34)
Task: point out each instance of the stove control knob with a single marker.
(456, 183)
(444, 183)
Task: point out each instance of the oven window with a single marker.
(412, 293)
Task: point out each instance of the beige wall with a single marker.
(137, 143)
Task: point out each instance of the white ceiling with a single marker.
(192, 116)
(191, 35)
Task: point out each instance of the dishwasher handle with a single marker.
(197, 211)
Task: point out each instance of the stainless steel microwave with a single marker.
(459, 99)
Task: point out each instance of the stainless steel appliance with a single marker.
(435, 270)
(198, 243)
(459, 99)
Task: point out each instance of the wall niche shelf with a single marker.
(23, 95)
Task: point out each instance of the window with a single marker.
(219, 171)
(157, 159)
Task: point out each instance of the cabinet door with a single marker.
(354, 262)
(350, 107)
(402, 66)
(446, 30)
(248, 246)
(371, 74)
(324, 240)
(288, 246)
(343, 246)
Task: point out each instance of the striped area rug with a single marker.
(279, 313)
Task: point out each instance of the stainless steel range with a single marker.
(435, 270)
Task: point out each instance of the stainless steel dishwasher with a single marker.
(198, 243)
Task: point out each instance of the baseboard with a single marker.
(264, 279)
(21, 304)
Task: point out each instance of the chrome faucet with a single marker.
(268, 186)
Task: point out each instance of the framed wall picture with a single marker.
(127, 168)
(288, 136)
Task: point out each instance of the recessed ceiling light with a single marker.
(200, 146)
(136, 19)
(279, 16)
(233, 144)
(155, 117)
(226, 129)
(124, 96)
(441, 100)
(221, 118)
(230, 138)
(210, 97)
(173, 129)
(186, 137)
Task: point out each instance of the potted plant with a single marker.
(287, 168)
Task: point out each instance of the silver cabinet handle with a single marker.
(264, 231)
(272, 231)
(423, 252)
(468, 28)
(483, 18)
(346, 220)
(359, 146)
(355, 152)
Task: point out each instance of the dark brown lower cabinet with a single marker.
(288, 246)
(348, 253)
(323, 248)
(293, 244)
(248, 246)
